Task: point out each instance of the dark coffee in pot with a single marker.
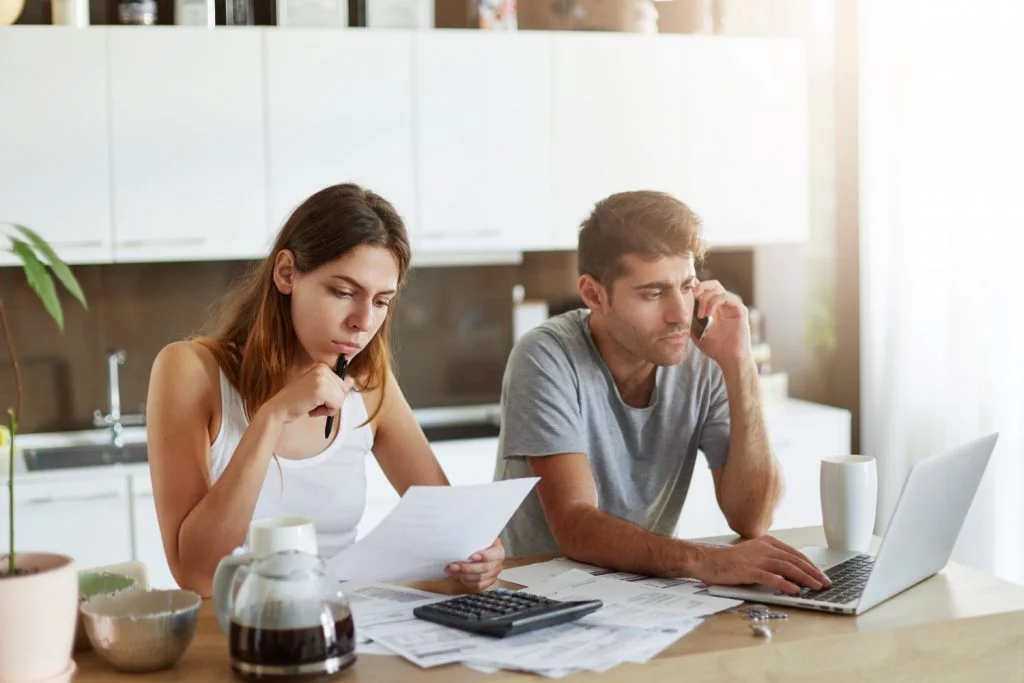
(259, 653)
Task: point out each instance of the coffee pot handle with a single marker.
(224, 586)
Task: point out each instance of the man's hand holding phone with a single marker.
(719, 325)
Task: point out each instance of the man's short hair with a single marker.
(646, 223)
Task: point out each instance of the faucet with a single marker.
(115, 420)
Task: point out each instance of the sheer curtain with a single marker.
(942, 234)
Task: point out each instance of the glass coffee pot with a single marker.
(284, 617)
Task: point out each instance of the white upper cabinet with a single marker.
(178, 143)
(54, 170)
(339, 109)
(617, 110)
(188, 150)
(745, 146)
(483, 140)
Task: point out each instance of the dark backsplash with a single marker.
(453, 329)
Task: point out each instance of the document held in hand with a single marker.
(431, 527)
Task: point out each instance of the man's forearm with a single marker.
(604, 540)
(751, 481)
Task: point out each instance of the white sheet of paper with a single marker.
(553, 652)
(627, 604)
(373, 604)
(575, 646)
(425, 643)
(431, 527)
(533, 574)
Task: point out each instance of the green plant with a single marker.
(39, 260)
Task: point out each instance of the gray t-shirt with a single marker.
(558, 396)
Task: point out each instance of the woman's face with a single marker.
(339, 307)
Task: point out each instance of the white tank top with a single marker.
(328, 488)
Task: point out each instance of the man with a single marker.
(608, 406)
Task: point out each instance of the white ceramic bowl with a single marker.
(141, 630)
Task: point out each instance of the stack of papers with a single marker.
(640, 618)
(433, 526)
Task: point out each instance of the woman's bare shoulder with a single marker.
(187, 362)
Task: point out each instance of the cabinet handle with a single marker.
(108, 495)
(163, 242)
(76, 244)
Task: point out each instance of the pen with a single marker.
(339, 370)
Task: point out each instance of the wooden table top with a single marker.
(959, 625)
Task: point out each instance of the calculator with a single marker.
(503, 612)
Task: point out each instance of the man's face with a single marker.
(647, 310)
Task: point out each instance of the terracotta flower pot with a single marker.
(37, 617)
(10, 10)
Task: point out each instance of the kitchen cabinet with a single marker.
(86, 518)
(483, 141)
(745, 129)
(339, 109)
(54, 175)
(617, 108)
(187, 143)
(179, 143)
(721, 123)
(801, 434)
(147, 544)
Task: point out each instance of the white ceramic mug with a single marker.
(849, 490)
(266, 536)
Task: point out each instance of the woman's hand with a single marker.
(482, 569)
(316, 393)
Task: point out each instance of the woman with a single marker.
(261, 388)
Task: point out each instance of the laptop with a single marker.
(917, 543)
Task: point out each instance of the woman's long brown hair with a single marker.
(254, 339)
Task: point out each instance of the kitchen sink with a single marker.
(82, 456)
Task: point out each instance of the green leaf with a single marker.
(39, 280)
(60, 269)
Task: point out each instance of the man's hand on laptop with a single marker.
(759, 560)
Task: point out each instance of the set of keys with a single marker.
(760, 618)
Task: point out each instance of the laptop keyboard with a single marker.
(848, 580)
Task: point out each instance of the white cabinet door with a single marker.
(187, 146)
(801, 434)
(148, 546)
(483, 141)
(618, 104)
(745, 146)
(87, 519)
(339, 109)
(467, 461)
(54, 175)
(381, 497)
(801, 437)
(701, 515)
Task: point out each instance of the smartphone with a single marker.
(698, 326)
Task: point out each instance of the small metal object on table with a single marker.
(760, 618)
